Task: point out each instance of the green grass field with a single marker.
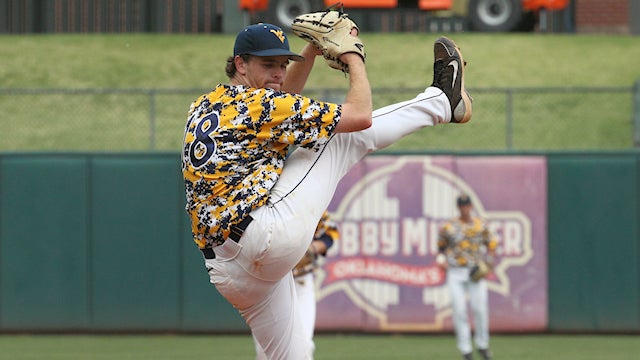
(328, 347)
(393, 60)
(398, 61)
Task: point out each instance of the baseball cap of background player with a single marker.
(463, 199)
(263, 40)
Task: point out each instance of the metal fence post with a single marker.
(509, 114)
(636, 113)
(152, 119)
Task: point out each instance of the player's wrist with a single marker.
(310, 51)
(313, 249)
(351, 58)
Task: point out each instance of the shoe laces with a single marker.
(441, 75)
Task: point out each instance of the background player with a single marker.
(465, 248)
(252, 215)
(326, 234)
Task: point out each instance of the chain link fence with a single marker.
(511, 119)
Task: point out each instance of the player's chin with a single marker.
(273, 86)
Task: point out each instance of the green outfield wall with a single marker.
(594, 243)
(101, 242)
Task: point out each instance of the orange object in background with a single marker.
(389, 4)
(366, 4)
(432, 5)
(546, 4)
(254, 5)
(435, 4)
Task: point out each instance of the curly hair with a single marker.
(230, 68)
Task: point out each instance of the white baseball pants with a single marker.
(305, 290)
(254, 275)
(460, 285)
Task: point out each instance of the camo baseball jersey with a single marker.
(465, 243)
(327, 232)
(235, 144)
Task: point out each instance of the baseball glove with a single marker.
(307, 264)
(330, 32)
(479, 271)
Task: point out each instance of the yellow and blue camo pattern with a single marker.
(235, 144)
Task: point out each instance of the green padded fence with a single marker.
(594, 266)
(101, 242)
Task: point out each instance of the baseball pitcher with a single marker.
(254, 210)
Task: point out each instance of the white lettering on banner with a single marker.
(411, 237)
(384, 270)
(510, 237)
(349, 240)
(415, 237)
(370, 238)
(389, 240)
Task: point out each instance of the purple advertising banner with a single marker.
(381, 274)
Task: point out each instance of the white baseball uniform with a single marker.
(254, 273)
(464, 243)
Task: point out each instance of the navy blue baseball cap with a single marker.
(463, 199)
(263, 40)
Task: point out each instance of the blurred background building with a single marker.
(228, 16)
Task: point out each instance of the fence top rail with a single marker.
(30, 91)
(431, 152)
(561, 89)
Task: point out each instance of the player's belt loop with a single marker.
(238, 229)
(208, 253)
(236, 233)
